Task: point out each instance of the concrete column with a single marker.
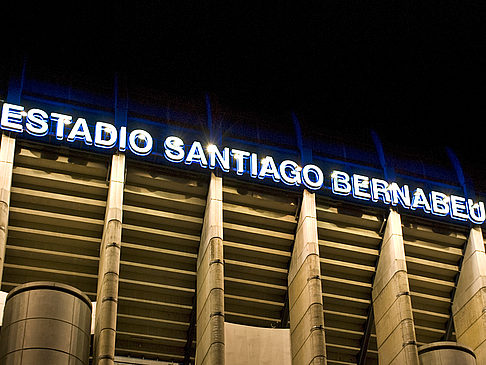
(109, 267)
(469, 304)
(7, 151)
(210, 280)
(395, 330)
(305, 292)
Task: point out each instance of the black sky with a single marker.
(404, 68)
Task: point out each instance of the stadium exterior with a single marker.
(201, 244)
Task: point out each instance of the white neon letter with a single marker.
(340, 183)
(61, 121)
(268, 168)
(196, 154)
(36, 123)
(105, 135)
(379, 190)
(290, 172)
(419, 200)
(400, 195)
(12, 117)
(254, 165)
(458, 207)
(361, 187)
(174, 149)
(80, 131)
(223, 159)
(122, 145)
(439, 202)
(240, 156)
(477, 213)
(143, 137)
(316, 183)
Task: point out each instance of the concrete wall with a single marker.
(253, 345)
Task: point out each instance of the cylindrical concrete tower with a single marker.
(46, 323)
(446, 353)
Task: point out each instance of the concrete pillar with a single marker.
(395, 330)
(7, 151)
(109, 267)
(469, 304)
(210, 280)
(305, 292)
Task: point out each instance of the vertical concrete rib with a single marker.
(210, 280)
(7, 152)
(392, 306)
(109, 267)
(469, 305)
(305, 291)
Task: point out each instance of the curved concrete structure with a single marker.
(46, 323)
(446, 353)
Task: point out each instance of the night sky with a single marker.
(414, 71)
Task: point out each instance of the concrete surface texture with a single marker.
(305, 293)
(470, 297)
(392, 306)
(210, 281)
(109, 267)
(255, 345)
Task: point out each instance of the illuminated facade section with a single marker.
(140, 142)
(436, 203)
(287, 172)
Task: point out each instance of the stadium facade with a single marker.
(203, 243)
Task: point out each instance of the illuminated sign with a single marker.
(38, 123)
